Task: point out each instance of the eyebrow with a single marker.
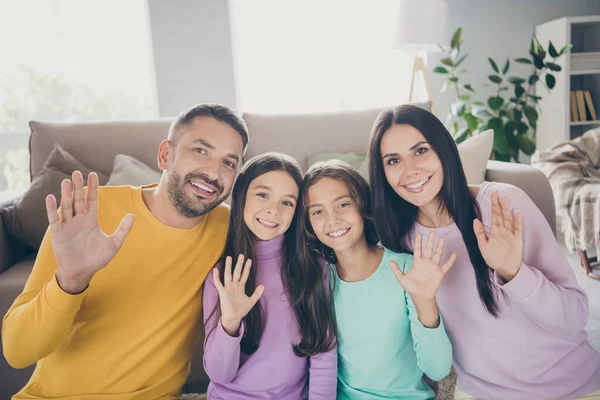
(211, 147)
(414, 146)
(334, 200)
(269, 188)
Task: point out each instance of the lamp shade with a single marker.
(422, 25)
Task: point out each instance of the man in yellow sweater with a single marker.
(117, 317)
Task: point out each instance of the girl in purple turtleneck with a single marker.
(268, 320)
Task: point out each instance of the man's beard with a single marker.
(182, 202)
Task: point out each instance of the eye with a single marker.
(421, 150)
(344, 205)
(317, 213)
(200, 150)
(262, 195)
(288, 203)
(392, 161)
(229, 164)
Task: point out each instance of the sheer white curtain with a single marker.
(295, 56)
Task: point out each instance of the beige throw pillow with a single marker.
(131, 171)
(474, 155)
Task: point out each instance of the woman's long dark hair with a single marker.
(359, 191)
(302, 280)
(395, 217)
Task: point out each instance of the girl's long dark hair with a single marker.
(359, 191)
(395, 217)
(302, 279)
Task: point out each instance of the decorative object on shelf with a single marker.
(583, 62)
(421, 29)
(514, 120)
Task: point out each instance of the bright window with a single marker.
(70, 60)
(316, 56)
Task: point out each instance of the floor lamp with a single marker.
(421, 29)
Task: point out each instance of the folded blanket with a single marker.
(573, 169)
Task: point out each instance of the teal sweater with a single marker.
(383, 349)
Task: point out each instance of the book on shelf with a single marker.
(590, 105)
(574, 111)
(581, 105)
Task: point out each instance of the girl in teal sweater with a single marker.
(389, 329)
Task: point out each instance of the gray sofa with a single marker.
(97, 144)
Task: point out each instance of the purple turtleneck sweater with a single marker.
(273, 371)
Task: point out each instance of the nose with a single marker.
(272, 209)
(410, 167)
(331, 219)
(211, 169)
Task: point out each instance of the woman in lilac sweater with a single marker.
(512, 307)
(283, 347)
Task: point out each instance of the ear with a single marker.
(163, 154)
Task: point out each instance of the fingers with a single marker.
(429, 246)
(437, 256)
(227, 274)
(479, 232)
(418, 245)
(446, 267)
(519, 226)
(507, 215)
(66, 199)
(51, 210)
(217, 280)
(396, 270)
(118, 237)
(497, 219)
(258, 292)
(78, 195)
(246, 272)
(237, 272)
(92, 194)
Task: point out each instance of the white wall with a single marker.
(498, 29)
(193, 56)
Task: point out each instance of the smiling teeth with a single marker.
(338, 233)
(418, 185)
(268, 223)
(203, 187)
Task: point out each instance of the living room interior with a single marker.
(93, 85)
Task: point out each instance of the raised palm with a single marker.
(80, 247)
(502, 250)
(235, 304)
(423, 280)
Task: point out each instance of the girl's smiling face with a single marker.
(270, 204)
(334, 215)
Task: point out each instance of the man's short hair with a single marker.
(221, 113)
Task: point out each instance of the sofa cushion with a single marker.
(303, 134)
(26, 220)
(130, 171)
(98, 143)
(474, 154)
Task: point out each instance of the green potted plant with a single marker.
(512, 111)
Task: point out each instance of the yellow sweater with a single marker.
(131, 334)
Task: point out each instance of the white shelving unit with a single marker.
(554, 124)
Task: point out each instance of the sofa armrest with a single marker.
(529, 179)
(11, 249)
